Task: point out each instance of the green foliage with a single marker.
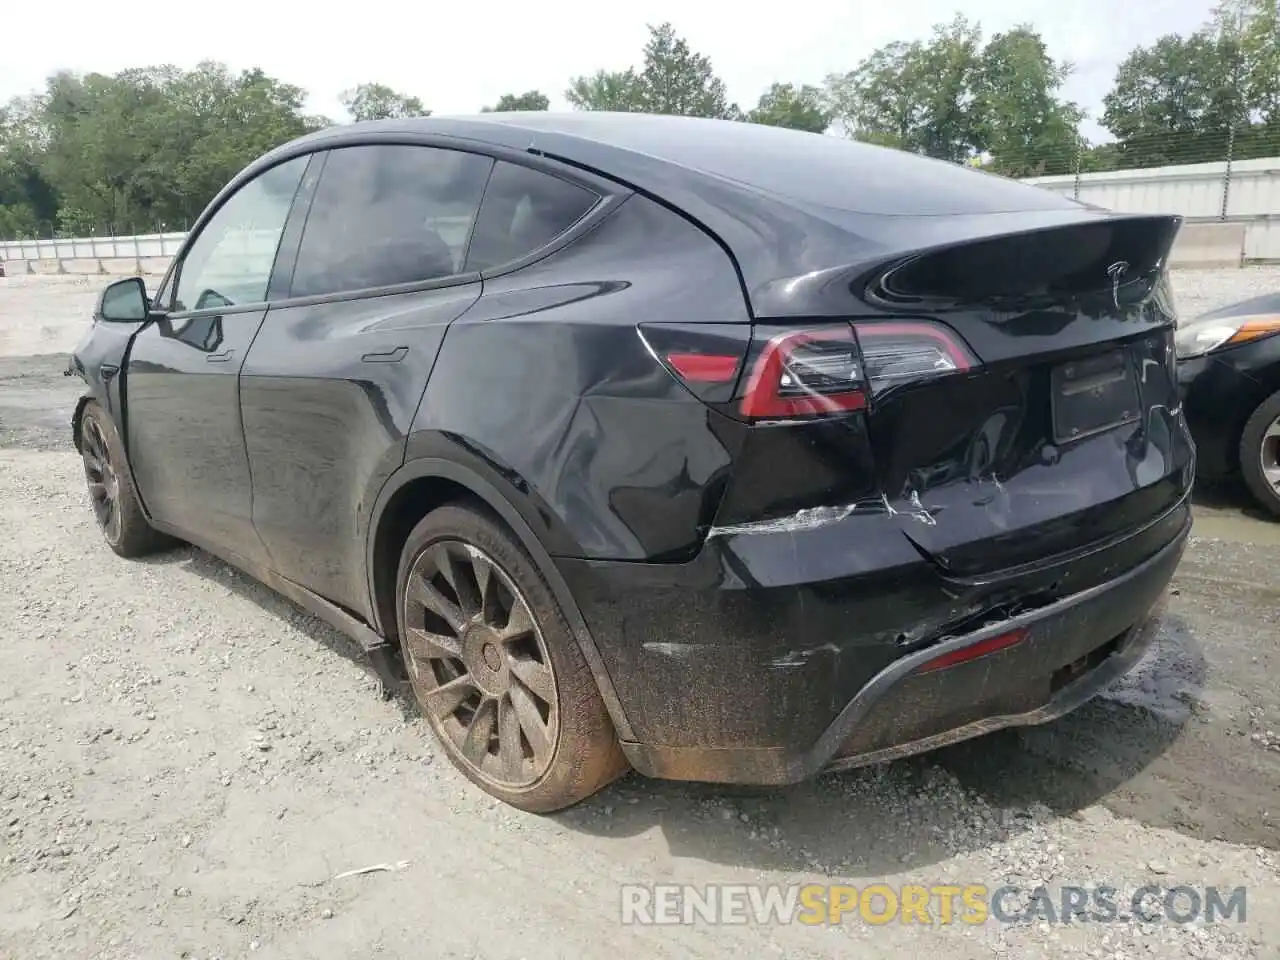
(1185, 99)
(800, 108)
(954, 98)
(529, 100)
(25, 197)
(377, 101)
(618, 92)
(1024, 126)
(672, 79)
(141, 150)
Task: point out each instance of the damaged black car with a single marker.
(713, 450)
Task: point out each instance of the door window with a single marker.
(523, 210)
(231, 259)
(387, 215)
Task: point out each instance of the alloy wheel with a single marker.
(104, 484)
(1269, 454)
(479, 664)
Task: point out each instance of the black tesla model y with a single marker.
(713, 450)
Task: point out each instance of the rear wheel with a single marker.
(495, 668)
(111, 491)
(1260, 453)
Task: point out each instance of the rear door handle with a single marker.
(222, 357)
(108, 370)
(389, 356)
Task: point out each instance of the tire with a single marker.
(1258, 443)
(111, 492)
(479, 675)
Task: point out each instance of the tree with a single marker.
(26, 199)
(1025, 127)
(955, 98)
(617, 91)
(877, 101)
(529, 100)
(377, 101)
(1260, 45)
(675, 80)
(1175, 100)
(672, 80)
(917, 96)
(140, 150)
(1255, 26)
(784, 105)
(1194, 98)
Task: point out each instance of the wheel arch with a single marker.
(427, 483)
(77, 418)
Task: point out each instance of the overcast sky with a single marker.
(460, 56)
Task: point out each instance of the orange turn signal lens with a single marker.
(1255, 327)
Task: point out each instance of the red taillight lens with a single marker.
(804, 373)
(838, 368)
(703, 368)
(706, 358)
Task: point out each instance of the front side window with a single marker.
(231, 259)
(524, 210)
(389, 214)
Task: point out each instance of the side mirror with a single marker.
(124, 301)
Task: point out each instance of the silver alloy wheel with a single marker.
(104, 485)
(479, 665)
(1269, 454)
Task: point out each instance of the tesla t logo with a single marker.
(1116, 272)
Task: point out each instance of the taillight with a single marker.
(902, 352)
(841, 367)
(806, 372)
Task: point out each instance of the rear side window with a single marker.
(385, 215)
(523, 210)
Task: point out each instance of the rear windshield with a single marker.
(827, 171)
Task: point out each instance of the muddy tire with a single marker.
(111, 492)
(1260, 454)
(495, 667)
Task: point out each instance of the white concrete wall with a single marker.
(117, 256)
(93, 248)
(1195, 191)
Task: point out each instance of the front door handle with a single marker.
(390, 356)
(108, 370)
(222, 357)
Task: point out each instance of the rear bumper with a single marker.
(1072, 648)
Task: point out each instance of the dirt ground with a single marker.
(188, 764)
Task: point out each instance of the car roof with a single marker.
(813, 169)
(785, 204)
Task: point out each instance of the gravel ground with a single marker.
(188, 763)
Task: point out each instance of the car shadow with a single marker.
(877, 820)
(921, 811)
(209, 567)
(1229, 494)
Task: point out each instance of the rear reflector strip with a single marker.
(975, 650)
